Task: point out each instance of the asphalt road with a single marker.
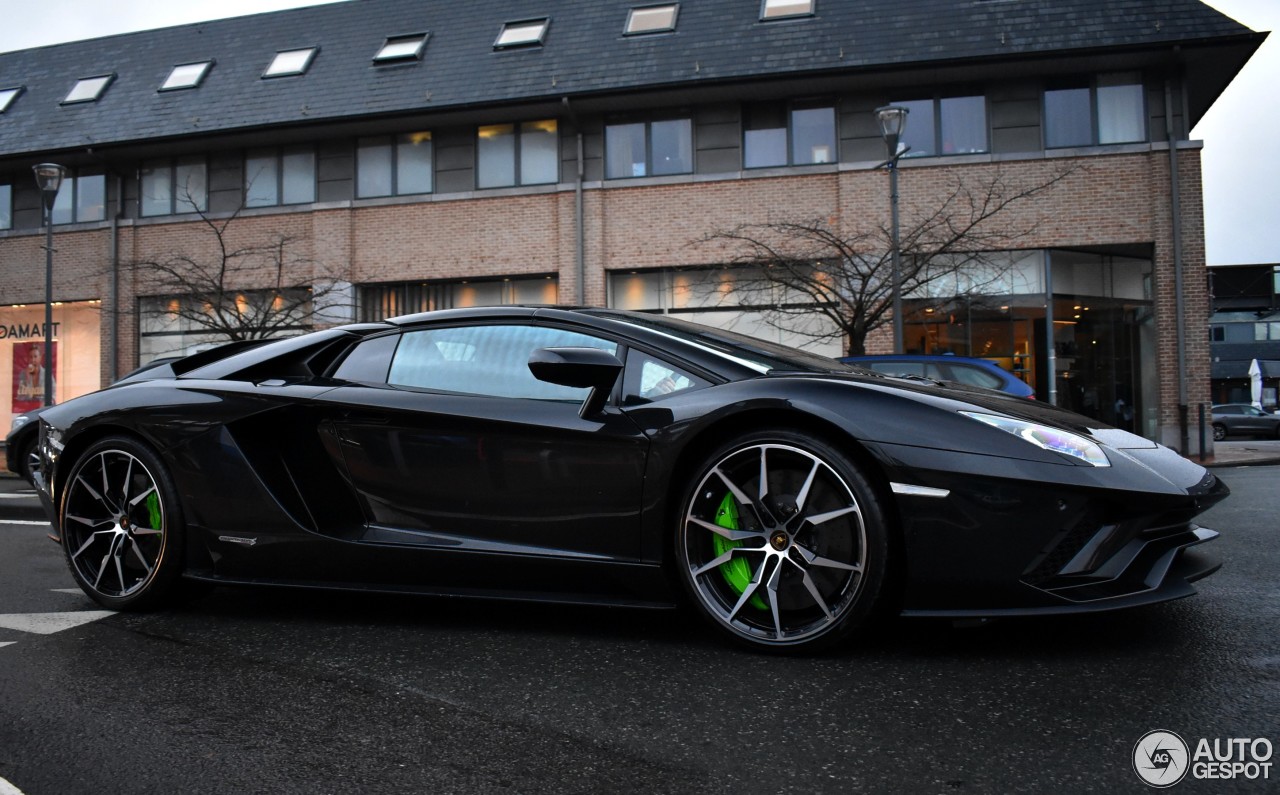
(276, 691)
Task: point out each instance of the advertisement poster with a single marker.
(28, 375)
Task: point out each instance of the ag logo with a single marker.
(1160, 758)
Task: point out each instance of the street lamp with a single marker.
(49, 178)
(893, 121)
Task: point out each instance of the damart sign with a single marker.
(1162, 759)
(25, 331)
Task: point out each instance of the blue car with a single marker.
(946, 367)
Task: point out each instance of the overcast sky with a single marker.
(1241, 157)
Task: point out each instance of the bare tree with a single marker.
(236, 290)
(796, 271)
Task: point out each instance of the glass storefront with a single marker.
(1098, 359)
(75, 356)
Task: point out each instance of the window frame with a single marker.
(631, 12)
(6, 205)
(173, 164)
(279, 153)
(107, 79)
(9, 95)
(518, 132)
(544, 24)
(936, 101)
(765, 16)
(71, 186)
(394, 143)
(789, 109)
(647, 123)
(1095, 125)
(416, 55)
(195, 83)
(270, 74)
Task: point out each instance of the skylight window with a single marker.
(651, 19)
(402, 48)
(7, 96)
(522, 34)
(779, 9)
(187, 75)
(88, 89)
(290, 62)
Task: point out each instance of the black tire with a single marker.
(797, 566)
(28, 463)
(122, 526)
(1219, 432)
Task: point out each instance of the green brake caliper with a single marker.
(153, 509)
(736, 571)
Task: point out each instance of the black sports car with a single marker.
(590, 455)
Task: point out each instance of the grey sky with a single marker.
(1241, 160)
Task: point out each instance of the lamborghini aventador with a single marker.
(600, 456)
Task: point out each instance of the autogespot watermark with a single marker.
(1162, 758)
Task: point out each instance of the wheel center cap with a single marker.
(124, 523)
(779, 540)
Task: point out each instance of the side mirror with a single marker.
(580, 368)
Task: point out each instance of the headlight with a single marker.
(1043, 436)
(18, 422)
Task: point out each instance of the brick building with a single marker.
(419, 154)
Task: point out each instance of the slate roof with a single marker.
(584, 53)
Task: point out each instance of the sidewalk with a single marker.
(1247, 452)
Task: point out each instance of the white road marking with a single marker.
(75, 591)
(2, 645)
(28, 524)
(8, 789)
(49, 623)
(17, 495)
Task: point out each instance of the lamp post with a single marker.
(893, 121)
(49, 178)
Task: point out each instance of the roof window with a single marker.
(291, 62)
(187, 75)
(401, 48)
(781, 9)
(88, 89)
(522, 34)
(651, 19)
(7, 96)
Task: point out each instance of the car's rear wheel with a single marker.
(121, 526)
(28, 460)
(1219, 432)
(782, 543)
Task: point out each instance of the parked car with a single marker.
(945, 367)
(1243, 419)
(609, 457)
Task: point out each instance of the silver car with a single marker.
(1243, 419)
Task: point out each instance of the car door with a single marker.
(461, 447)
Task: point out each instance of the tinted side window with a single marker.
(649, 378)
(485, 360)
(369, 361)
(897, 368)
(973, 376)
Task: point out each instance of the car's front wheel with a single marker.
(121, 526)
(782, 543)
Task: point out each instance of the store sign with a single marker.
(25, 331)
(28, 374)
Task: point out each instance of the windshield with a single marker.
(755, 353)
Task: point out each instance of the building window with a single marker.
(1266, 332)
(651, 19)
(88, 89)
(641, 149)
(291, 62)
(187, 75)
(401, 48)
(275, 176)
(945, 126)
(172, 187)
(81, 198)
(517, 154)
(528, 33)
(1217, 334)
(774, 135)
(782, 9)
(1109, 110)
(393, 165)
(7, 96)
(6, 206)
(380, 301)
